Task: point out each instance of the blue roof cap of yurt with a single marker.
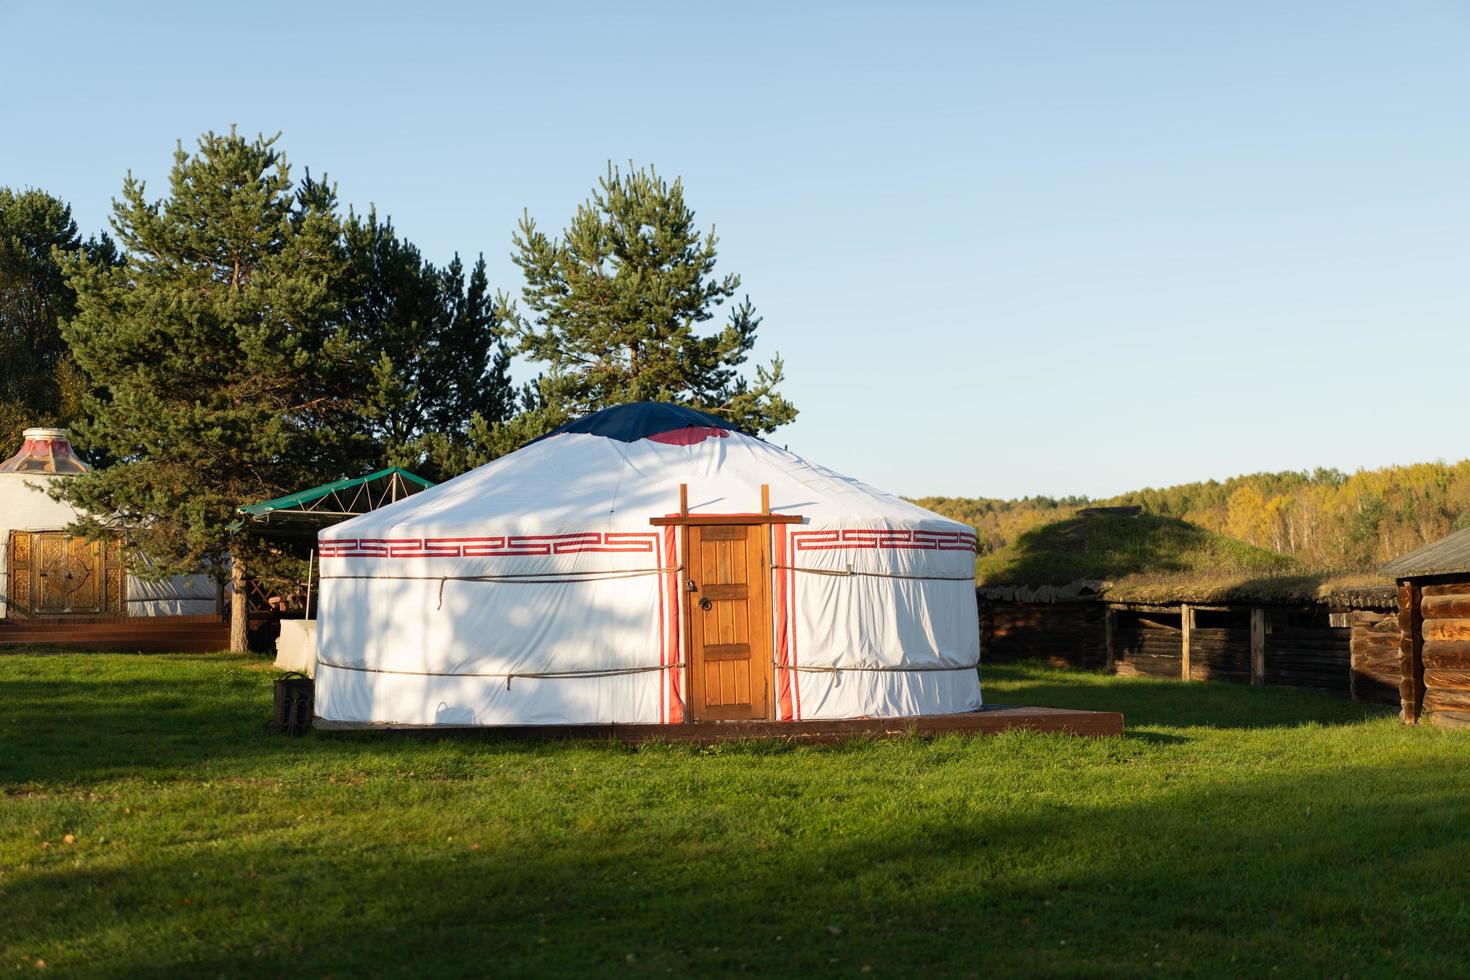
(639, 420)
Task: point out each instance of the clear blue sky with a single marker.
(1005, 249)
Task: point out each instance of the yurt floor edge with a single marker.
(989, 720)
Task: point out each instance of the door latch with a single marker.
(706, 605)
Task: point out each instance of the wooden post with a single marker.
(683, 500)
(1258, 646)
(1110, 625)
(310, 567)
(1411, 652)
(765, 498)
(1186, 621)
(1352, 658)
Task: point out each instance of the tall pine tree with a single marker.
(616, 307)
(219, 354)
(38, 383)
(433, 362)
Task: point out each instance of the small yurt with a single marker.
(46, 573)
(645, 564)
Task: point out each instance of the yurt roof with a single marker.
(622, 465)
(644, 420)
(44, 452)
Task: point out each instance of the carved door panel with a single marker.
(19, 574)
(68, 575)
(49, 551)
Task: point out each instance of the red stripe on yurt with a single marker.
(671, 633)
(795, 674)
(783, 626)
(663, 649)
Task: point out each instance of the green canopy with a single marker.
(308, 511)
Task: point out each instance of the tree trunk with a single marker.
(239, 607)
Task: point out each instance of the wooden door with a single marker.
(84, 566)
(49, 551)
(728, 609)
(67, 577)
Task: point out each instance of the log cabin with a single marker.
(1434, 631)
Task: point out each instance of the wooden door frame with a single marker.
(107, 565)
(759, 575)
(684, 521)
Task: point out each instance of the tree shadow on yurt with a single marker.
(442, 646)
(446, 620)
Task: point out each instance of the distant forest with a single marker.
(1328, 519)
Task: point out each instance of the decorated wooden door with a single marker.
(52, 573)
(728, 608)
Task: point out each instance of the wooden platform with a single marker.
(989, 720)
(142, 634)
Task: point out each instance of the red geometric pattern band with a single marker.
(853, 538)
(495, 546)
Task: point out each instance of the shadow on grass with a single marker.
(86, 717)
(1227, 879)
(1164, 702)
(90, 717)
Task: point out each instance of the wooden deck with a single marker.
(143, 634)
(989, 720)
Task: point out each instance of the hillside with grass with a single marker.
(1327, 520)
(1111, 548)
(1148, 558)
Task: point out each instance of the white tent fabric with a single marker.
(534, 591)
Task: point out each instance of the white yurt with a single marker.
(645, 564)
(46, 573)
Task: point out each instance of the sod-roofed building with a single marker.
(1144, 595)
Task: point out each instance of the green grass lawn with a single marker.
(1232, 831)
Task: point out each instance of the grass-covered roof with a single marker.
(1148, 558)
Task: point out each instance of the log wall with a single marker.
(1148, 644)
(1376, 657)
(1444, 625)
(1302, 650)
(1288, 646)
(1220, 646)
(1064, 634)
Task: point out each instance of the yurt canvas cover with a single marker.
(566, 584)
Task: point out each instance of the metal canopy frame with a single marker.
(308, 511)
